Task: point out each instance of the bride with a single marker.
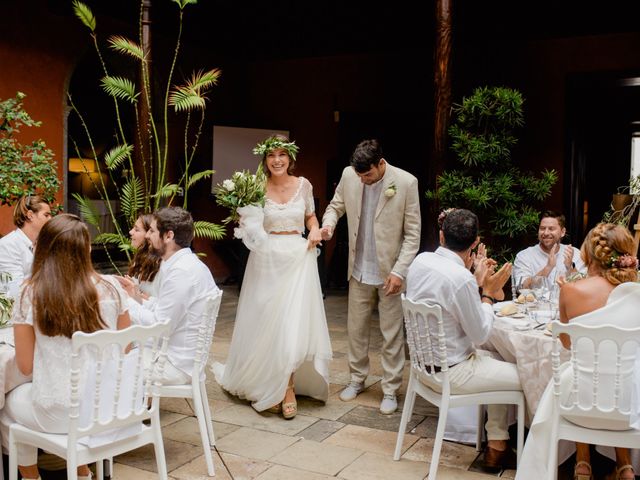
(280, 344)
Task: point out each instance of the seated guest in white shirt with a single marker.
(443, 278)
(183, 282)
(549, 258)
(16, 248)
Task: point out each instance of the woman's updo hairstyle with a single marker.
(611, 248)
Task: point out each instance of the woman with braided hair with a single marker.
(610, 289)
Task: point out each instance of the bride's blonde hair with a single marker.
(604, 245)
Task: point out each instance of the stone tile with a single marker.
(280, 472)
(187, 430)
(243, 468)
(426, 428)
(320, 430)
(246, 416)
(248, 442)
(176, 405)
(126, 472)
(370, 440)
(317, 457)
(422, 407)
(332, 410)
(372, 418)
(197, 470)
(509, 474)
(452, 454)
(371, 466)
(449, 473)
(167, 418)
(176, 455)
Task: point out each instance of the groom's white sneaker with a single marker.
(351, 391)
(389, 404)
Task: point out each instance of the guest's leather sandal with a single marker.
(582, 476)
(622, 469)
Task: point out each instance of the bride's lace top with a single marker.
(52, 356)
(290, 216)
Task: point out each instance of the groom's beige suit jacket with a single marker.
(397, 218)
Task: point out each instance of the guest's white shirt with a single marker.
(531, 260)
(16, 258)
(183, 284)
(440, 278)
(365, 266)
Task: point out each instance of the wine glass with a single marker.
(538, 285)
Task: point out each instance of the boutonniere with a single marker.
(390, 191)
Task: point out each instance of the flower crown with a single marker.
(622, 261)
(274, 143)
(443, 215)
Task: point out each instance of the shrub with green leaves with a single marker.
(25, 169)
(506, 199)
(140, 178)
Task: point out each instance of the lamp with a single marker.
(82, 165)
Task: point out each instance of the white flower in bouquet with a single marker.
(242, 189)
(390, 191)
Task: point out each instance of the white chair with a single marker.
(597, 389)
(428, 349)
(196, 390)
(106, 418)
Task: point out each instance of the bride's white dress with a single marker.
(621, 310)
(280, 324)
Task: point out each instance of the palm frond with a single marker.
(209, 230)
(199, 176)
(114, 157)
(167, 190)
(132, 198)
(120, 87)
(183, 3)
(184, 99)
(88, 212)
(111, 238)
(203, 80)
(84, 14)
(127, 47)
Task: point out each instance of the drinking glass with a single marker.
(539, 287)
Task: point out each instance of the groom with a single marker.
(383, 216)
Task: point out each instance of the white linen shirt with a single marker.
(183, 284)
(440, 278)
(16, 258)
(531, 260)
(365, 266)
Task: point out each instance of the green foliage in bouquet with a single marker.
(25, 169)
(505, 198)
(140, 178)
(243, 188)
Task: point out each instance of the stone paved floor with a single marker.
(350, 441)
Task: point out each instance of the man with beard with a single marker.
(549, 258)
(184, 282)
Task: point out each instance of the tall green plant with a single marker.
(485, 179)
(140, 177)
(25, 169)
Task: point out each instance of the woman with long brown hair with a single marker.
(64, 295)
(16, 248)
(145, 263)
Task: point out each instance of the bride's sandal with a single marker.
(277, 408)
(582, 476)
(622, 469)
(290, 409)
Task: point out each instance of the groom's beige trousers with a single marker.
(362, 301)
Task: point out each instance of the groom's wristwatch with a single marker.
(491, 299)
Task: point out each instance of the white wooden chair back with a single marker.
(602, 370)
(426, 340)
(208, 318)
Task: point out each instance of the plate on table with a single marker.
(499, 307)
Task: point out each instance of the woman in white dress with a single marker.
(145, 263)
(280, 328)
(610, 293)
(64, 295)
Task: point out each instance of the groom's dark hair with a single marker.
(367, 154)
(460, 229)
(177, 220)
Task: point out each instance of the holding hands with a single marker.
(314, 238)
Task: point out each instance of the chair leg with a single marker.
(407, 410)
(520, 439)
(480, 431)
(13, 458)
(100, 469)
(158, 448)
(204, 436)
(72, 468)
(437, 443)
(207, 415)
(552, 465)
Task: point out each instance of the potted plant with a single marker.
(485, 180)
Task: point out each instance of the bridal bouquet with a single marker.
(242, 189)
